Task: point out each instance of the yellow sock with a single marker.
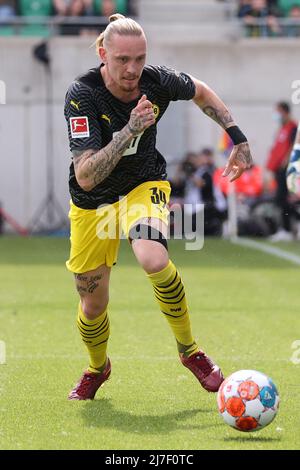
(94, 334)
(170, 294)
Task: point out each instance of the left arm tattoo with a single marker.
(212, 105)
(221, 115)
(244, 155)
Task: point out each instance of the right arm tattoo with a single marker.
(92, 166)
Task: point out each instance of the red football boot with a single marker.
(89, 384)
(208, 373)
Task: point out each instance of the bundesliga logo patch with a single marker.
(79, 127)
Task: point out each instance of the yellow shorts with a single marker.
(95, 234)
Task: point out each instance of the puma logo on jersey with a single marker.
(75, 104)
(106, 118)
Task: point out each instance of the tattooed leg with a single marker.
(92, 317)
(93, 288)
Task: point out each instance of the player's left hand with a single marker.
(240, 160)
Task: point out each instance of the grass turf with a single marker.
(245, 313)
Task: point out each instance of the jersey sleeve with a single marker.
(179, 85)
(80, 111)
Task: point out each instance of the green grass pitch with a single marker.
(245, 313)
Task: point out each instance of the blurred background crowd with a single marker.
(264, 206)
(64, 7)
(270, 11)
(74, 9)
(259, 17)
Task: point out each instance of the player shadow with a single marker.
(103, 414)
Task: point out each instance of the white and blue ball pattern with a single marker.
(293, 173)
(248, 400)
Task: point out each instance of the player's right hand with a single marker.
(239, 160)
(141, 117)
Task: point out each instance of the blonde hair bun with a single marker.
(126, 27)
(115, 17)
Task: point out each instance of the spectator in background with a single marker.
(132, 7)
(285, 6)
(293, 30)
(109, 7)
(215, 205)
(272, 4)
(295, 12)
(277, 163)
(244, 6)
(71, 8)
(178, 182)
(253, 10)
(192, 190)
(104, 8)
(184, 170)
(8, 8)
(194, 181)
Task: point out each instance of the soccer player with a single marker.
(293, 169)
(112, 112)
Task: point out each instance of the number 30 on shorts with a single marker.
(158, 196)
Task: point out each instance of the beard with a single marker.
(129, 86)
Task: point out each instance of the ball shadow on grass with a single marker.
(250, 438)
(103, 414)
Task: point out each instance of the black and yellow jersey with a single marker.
(94, 115)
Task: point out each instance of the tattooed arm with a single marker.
(212, 105)
(93, 166)
(240, 158)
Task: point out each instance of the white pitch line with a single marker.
(271, 250)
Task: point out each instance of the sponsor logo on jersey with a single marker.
(155, 110)
(75, 104)
(106, 118)
(79, 127)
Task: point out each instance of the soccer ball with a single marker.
(248, 400)
(293, 177)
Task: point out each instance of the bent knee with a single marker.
(93, 308)
(151, 264)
